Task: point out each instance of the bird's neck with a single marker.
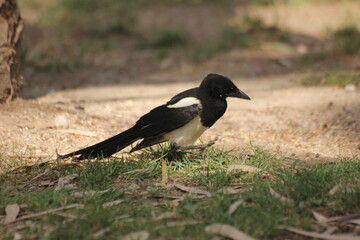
(212, 110)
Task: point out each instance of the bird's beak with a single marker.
(239, 94)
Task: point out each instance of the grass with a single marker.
(348, 39)
(135, 180)
(335, 79)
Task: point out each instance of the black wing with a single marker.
(152, 125)
(163, 119)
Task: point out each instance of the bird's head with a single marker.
(221, 87)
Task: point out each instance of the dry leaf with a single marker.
(17, 236)
(341, 187)
(101, 232)
(142, 170)
(319, 217)
(49, 211)
(64, 182)
(228, 190)
(243, 168)
(335, 189)
(45, 183)
(110, 204)
(165, 215)
(234, 206)
(228, 231)
(67, 215)
(355, 221)
(345, 218)
(88, 193)
(11, 210)
(280, 197)
(321, 235)
(176, 224)
(192, 190)
(140, 235)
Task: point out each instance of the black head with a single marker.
(221, 87)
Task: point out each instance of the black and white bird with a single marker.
(180, 121)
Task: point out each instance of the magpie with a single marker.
(180, 121)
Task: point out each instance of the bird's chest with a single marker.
(187, 134)
(212, 111)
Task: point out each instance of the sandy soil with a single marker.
(297, 122)
(310, 123)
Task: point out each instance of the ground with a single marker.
(72, 109)
(298, 122)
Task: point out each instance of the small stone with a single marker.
(61, 121)
(350, 87)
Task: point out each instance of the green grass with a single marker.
(135, 180)
(167, 38)
(335, 79)
(348, 39)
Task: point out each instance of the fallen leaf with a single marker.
(321, 235)
(245, 168)
(17, 236)
(192, 190)
(228, 190)
(140, 235)
(39, 214)
(11, 210)
(165, 215)
(110, 204)
(176, 224)
(101, 232)
(143, 170)
(319, 217)
(280, 197)
(342, 187)
(64, 182)
(334, 190)
(345, 218)
(45, 183)
(355, 221)
(67, 215)
(88, 193)
(228, 231)
(234, 206)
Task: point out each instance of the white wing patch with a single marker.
(185, 102)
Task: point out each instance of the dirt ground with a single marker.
(297, 122)
(309, 123)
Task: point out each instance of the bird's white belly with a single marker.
(187, 134)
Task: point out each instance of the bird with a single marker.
(180, 121)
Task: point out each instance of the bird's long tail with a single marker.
(105, 148)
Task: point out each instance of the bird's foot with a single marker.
(202, 147)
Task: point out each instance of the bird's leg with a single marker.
(177, 148)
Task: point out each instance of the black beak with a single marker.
(238, 94)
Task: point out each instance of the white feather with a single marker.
(185, 102)
(187, 134)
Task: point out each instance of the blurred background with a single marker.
(72, 44)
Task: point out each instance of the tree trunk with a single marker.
(11, 27)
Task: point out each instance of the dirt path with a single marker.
(309, 123)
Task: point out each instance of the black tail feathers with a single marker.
(105, 148)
